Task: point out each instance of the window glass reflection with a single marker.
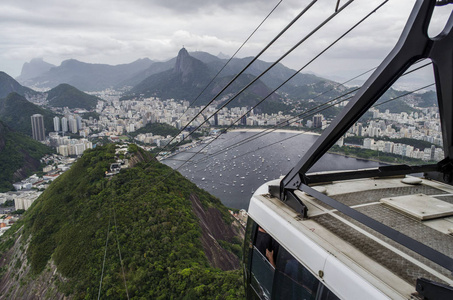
(292, 280)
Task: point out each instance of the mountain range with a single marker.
(188, 79)
(16, 109)
(182, 77)
(9, 85)
(84, 76)
(191, 76)
(34, 68)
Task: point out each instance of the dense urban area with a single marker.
(116, 120)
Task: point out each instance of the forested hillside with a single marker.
(156, 246)
(19, 157)
(65, 95)
(157, 129)
(16, 111)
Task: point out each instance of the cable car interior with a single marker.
(379, 233)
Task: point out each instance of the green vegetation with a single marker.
(188, 78)
(16, 112)
(9, 85)
(235, 247)
(358, 140)
(92, 114)
(398, 105)
(368, 154)
(65, 95)
(18, 152)
(7, 203)
(272, 107)
(146, 213)
(355, 140)
(162, 129)
(428, 99)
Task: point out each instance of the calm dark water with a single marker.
(234, 175)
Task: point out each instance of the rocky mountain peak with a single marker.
(184, 63)
(34, 68)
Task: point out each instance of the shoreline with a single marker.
(277, 130)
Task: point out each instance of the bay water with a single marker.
(233, 174)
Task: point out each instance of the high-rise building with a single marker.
(244, 120)
(79, 122)
(73, 125)
(56, 124)
(64, 124)
(37, 127)
(71, 122)
(433, 151)
(317, 121)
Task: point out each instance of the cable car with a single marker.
(379, 233)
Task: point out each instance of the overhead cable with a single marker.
(302, 132)
(296, 72)
(246, 67)
(119, 252)
(270, 67)
(229, 60)
(311, 112)
(105, 255)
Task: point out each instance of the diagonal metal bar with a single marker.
(414, 44)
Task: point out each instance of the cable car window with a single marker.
(327, 294)
(248, 247)
(263, 266)
(293, 280)
(262, 274)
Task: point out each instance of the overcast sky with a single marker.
(121, 31)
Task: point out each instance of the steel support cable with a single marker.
(299, 116)
(229, 60)
(277, 126)
(360, 75)
(408, 93)
(270, 67)
(269, 130)
(325, 92)
(296, 72)
(285, 122)
(303, 132)
(105, 255)
(295, 135)
(259, 76)
(406, 73)
(241, 143)
(245, 68)
(305, 114)
(119, 252)
(313, 59)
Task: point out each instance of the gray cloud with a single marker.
(120, 31)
